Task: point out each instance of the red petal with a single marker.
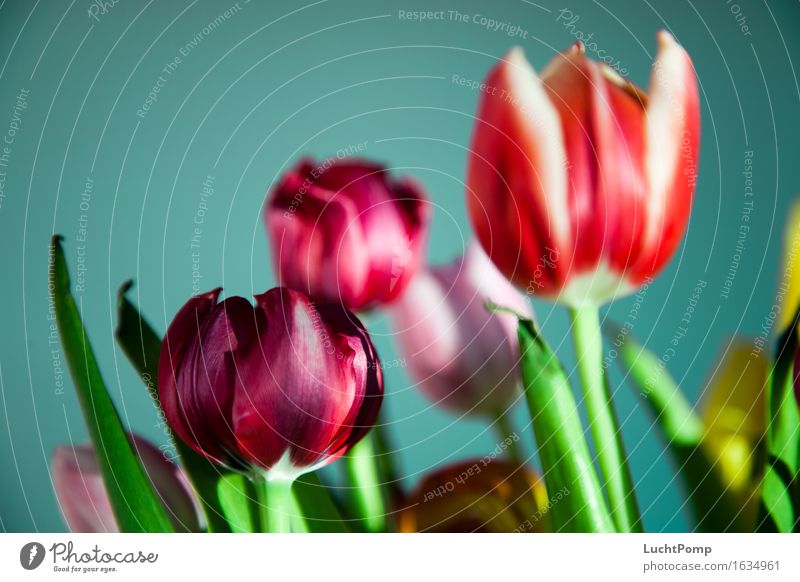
(517, 179)
(602, 118)
(672, 142)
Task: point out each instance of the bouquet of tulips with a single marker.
(579, 188)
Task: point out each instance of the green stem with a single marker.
(603, 421)
(297, 517)
(387, 470)
(366, 492)
(274, 503)
(504, 430)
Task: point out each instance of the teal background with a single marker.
(281, 79)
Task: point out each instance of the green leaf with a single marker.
(237, 497)
(564, 453)
(778, 510)
(320, 511)
(777, 503)
(676, 417)
(136, 506)
(142, 346)
(783, 427)
(713, 504)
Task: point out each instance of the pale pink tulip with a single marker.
(83, 498)
(461, 355)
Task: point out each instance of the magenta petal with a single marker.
(281, 386)
(207, 382)
(296, 390)
(320, 248)
(343, 231)
(369, 378)
(180, 335)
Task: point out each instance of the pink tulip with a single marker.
(83, 498)
(283, 387)
(461, 355)
(344, 231)
(580, 183)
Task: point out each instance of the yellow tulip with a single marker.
(788, 295)
(733, 412)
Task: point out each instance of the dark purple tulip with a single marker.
(284, 386)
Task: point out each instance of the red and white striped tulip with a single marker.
(580, 183)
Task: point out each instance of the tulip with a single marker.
(84, 500)
(344, 231)
(789, 286)
(275, 390)
(479, 495)
(461, 355)
(733, 412)
(580, 183)
(283, 387)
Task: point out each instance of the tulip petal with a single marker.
(462, 356)
(472, 496)
(84, 500)
(602, 118)
(672, 141)
(322, 224)
(305, 394)
(345, 231)
(790, 270)
(517, 164)
(207, 383)
(81, 492)
(395, 246)
(175, 386)
(368, 379)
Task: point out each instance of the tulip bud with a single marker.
(580, 183)
(494, 496)
(462, 356)
(84, 501)
(282, 387)
(343, 231)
